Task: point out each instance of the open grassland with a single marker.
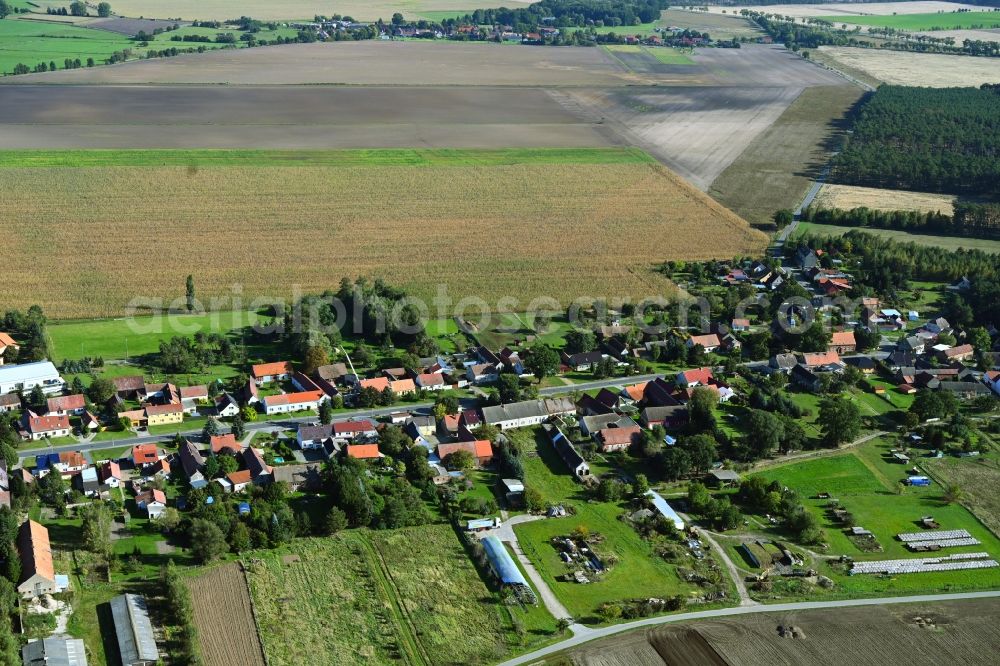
(947, 242)
(639, 572)
(912, 22)
(931, 70)
(961, 632)
(116, 338)
(979, 478)
(443, 595)
(776, 170)
(410, 595)
(485, 223)
(847, 197)
(307, 592)
(33, 42)
(716, 25)
(223, 614)
(361, 10)
(869, 486)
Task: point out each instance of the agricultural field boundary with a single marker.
(407, 629)
(328, 158)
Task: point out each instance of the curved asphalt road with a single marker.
(743, 610)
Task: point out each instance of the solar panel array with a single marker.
(960, 561)
(943, 543)
(907, 537)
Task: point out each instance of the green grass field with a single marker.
(408, 594)
(32, 42)
(639, 572)
(946, 242)
(937, 21)
(338, 158)
(868, 485)
(120, 338)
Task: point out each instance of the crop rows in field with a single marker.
(85, 241)
(227, 633)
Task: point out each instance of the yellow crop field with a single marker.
(362, 10)
(85, 240)
(847, 197)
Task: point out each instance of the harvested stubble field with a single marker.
(421, 63)
(854, 8)
(847, 197)
(361, 10)
(931, 70)
(961, 632)
(304, 117)
(946, 242)
(95, 229)
(227, 633)
(778, 167)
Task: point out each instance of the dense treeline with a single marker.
(888, 266)
(969, 220)
(924, 139)
(570, 13)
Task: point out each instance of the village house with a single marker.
(266, 373)
(41, 427)
(66, 405)
(89, 422)
(480, 449)
(26, 376)
(482, 373)
(162, 394)
(590, 425)
(192, 396)
(226, 406)
(260, 471)
(360, 429)
(959, 353)
(668, 416)
(709, 342)
(363, 451)
(70, 462)
(239, 480)
(432, 381)
(842, 342)
(130, 386)
(333, 373)
(299, 477)
(224, 444)
(153, 502)
(614, 439)
(699, 377)
(7, 342)
(144, 454)
(86, 481)
(110, 474)
(313, 436)
(192, 462)
(805, 378)
(526, 413)
(286, 403)
(9, 402)
(825, 361)
(992, 380)
(570, 456)
(582, 361)
(168, 414)
(38, 576)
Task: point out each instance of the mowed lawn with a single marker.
(868, 486)
(116, 338)
(269, 222)
(935, 21)
(639, 571)
(33, 42)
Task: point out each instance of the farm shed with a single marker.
(665, 509)
(724, 477)
(502, 564)
(54, 651)
(134, 631)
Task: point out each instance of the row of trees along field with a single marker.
(887, 266)
(817, 32)
(925, 139)
(970, 220)
(569, 13)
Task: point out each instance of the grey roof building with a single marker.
(134, 631)
(55, 651)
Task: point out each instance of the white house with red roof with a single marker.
(710, 342)
(696, 377)
(265, 373)
(67, 404)
(41, 427)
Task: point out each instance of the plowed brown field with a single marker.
(223, 615)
